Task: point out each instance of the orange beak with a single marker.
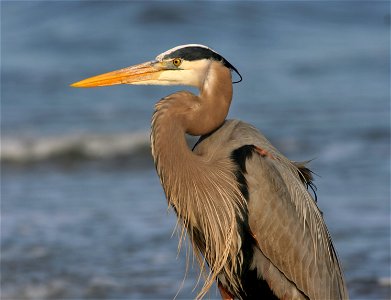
(145, 73)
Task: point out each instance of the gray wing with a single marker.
(295, 253)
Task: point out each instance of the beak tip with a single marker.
(81, 84)
(74, 84)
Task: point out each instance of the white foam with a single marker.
(384, 281)
(96, 146)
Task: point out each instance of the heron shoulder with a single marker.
(232, 134)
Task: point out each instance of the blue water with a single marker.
(83, 215)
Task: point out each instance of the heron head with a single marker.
(182, 65)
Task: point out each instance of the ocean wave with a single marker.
(74, 147)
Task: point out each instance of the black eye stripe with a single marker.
(195, 53)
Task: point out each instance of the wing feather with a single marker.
(287, 223)
(294, 251)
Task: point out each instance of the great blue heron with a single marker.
(245, 206)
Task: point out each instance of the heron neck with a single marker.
(210, 108)
(182, 113)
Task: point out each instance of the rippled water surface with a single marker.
(83, 215)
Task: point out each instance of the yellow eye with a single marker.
(176, 62)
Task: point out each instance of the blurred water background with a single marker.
(83, 215)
